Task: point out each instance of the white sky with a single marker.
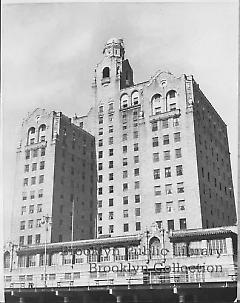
(50, 50)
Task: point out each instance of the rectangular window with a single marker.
(100, 190)
(137, 212)
(26, 168)
(32, 194)
(137, 198)
(183, 223)
(157, 190)
(110, 202)
(166, 155)
(99, 216)
(29, 241)
(181, 205)
(155, 141)
(136, 172)
(169, 206)
(110, 152)
(99, 203)
(100, 142)
(125, 161)
(124, 148)
(135, 147)
(168, 189)
(159, 224)
(43, 151)
(42, 138)
(138, 226)
(165, 139)
(33, 180)
(177, 137)
(110, 189)
(173, 106)
(125, 174)
(27, 154)
(30, 224)
(35, 153)
(21, 241)
(110, 215)
(100, 166)
(39, 208)
(178, 153)
(135, 134)
(31, 209)
(136, 159)
(42, 165)
(176, 122)
(125, 186)
(180, 187)
(111, 229)
(167, 172)
(110, 128)
(125, 227)
(37, 238)
(38, 223)
(165, 124)
(125, 200)
(136, 184)
(100, 120)
(100, 131)
(23, 210)
(154, 126)
(124, 137)
(110, 177)
(100, 154)
(158, 208)
(24, 196)
(179, 170)
(125, 213)
(41, 179)
(22, 225)
(156, 174)
(110, 164)
(170, 224)
(155, 157)
(110, 140)
(25, 181)
(99, 230)
(100, 178)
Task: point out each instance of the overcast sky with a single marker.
(50, 51)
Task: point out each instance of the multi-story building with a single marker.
(162, 151)
(55, 186)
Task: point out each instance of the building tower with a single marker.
(55, 184)
(162, 151)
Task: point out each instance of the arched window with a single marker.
(124, 101)
(154, 247)
(135, 98)
(106, 72)
(31, 136)
(7, 259)
(172, 103)
(41, 133)
(157, 104)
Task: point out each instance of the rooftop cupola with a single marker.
(114, 48)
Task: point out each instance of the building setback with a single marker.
(55, 178)
(162, 151)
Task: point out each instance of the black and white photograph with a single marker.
(119, 152)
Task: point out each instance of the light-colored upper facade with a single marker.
(158, 159)
(55, 183)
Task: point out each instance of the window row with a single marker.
(36, 136)
(168, 189)
(35, 152)
(34, 166)
(32, 194)
(157, 125)
(29, 239)
(168, 172)
(125, 228)
(171, 224)
(170, 206)
(166, 139)
(26, 181)
(38, 208)
(30, 224)
(125, 201)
